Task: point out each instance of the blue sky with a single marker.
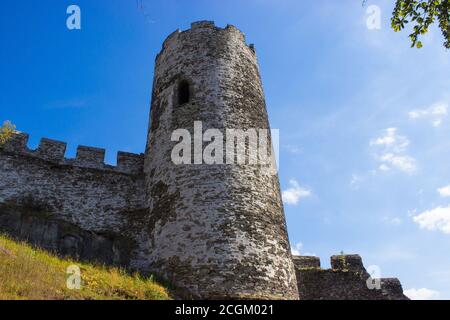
(362, 116)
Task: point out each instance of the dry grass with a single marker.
(33, 274)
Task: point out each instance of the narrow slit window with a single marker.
(184, 94)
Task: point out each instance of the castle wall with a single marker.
(216, 230)
(346, 280)
(79, 207)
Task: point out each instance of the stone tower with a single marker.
(216, 231)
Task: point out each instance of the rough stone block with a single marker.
(51, 149)
(202, 24)
(90, 157)
(130, 162)
(302, 262)
(17, 143)
(350, 262)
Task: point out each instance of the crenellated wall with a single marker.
(213, 231)
(86, 157)
(80, 206)
(347, 279)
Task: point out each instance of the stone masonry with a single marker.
(216, 229)
(347, 279)
(211, 230)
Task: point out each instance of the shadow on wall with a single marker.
(32, 223)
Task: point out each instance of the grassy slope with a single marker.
(29, 273)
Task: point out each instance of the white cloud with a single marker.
(437, 123)
(436, 113)
(295, 193)
(403, 163)
(391, 152)
(444, 191)
(296, 248)
(421, 294)
(390, 139)
(293, 149)
(435, 219)
(395, 221)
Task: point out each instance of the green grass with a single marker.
(27, 273)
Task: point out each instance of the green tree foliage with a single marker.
(6, 131)
(422, 14)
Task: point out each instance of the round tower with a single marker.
(216, 230)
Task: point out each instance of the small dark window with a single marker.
(184, 94)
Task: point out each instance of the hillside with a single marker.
(29, 273)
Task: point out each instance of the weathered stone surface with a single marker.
(217, 230)
(214, 231)
(346, 280)
(302, 262)
(34, 225)
(65, 206)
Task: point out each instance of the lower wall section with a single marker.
(346, 280)
(32, 224)
(95, 214)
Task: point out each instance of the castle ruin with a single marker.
(213, 231)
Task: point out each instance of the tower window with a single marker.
(184, 94)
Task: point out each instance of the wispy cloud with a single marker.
(421, 294)
(434, 219)
(296, 249)
(355, 181)
(435, 114)
(391, 152)
(390, 139)
(393, 221)
(293, 194)
(401, 162)
(293, 149)
(444, 191)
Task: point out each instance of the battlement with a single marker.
(342, 262)
(51, 149)
(202, 24)
(17, 142)
(205, 25)
(86, 157)
(346, 280)
(90, 157)
(130, 162)
(303, 262)
(350, 262)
